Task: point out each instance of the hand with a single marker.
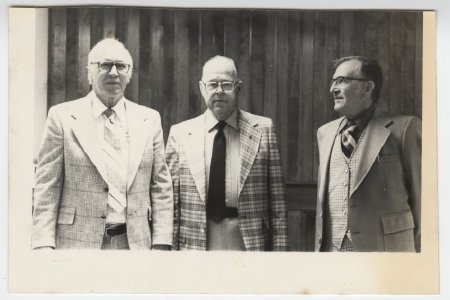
(162, 247)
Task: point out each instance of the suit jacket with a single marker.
(384, 203)
(261, 204)
(71, 195)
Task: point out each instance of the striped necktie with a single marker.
(114, 162)
(349, 138)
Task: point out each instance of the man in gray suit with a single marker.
(101, 179)
(370, 168)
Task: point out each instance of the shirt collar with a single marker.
(98, 107)
(363, 119)
(211, 120)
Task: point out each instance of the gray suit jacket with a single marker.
(70, 196)
(384, 204)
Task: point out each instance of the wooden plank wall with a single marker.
(283, 58)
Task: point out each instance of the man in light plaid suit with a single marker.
(228, 195)
(101, 180)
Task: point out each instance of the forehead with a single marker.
(219, 70)
(348, 68)
(112, 52)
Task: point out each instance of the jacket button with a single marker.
(106, 189)
(103, 217)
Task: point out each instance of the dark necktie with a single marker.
(349, 138)
(215, 205)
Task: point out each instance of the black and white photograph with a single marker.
(228, 141)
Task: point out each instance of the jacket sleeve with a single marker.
(412, 156)
(48, 184)
(172, 159)
(277, 196)
(161, 191)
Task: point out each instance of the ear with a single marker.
(238, 86)
(369, 87)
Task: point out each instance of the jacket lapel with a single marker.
(326, 145)
(376, 136)
(194, 147)
(139, 128)
(249, 138)
(84, 129)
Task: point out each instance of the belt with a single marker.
(116, 229)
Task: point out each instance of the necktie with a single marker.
(114, 163)
(215, 205)
(349, 138)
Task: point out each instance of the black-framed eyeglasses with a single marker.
(226, 86)
(106, 66)
(344, 79)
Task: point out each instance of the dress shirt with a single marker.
(120, 118)
(232, 155)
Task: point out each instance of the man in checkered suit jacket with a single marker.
(255, 215)
(74, 185)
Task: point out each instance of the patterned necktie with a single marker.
(349, 138)
(215, 205)
(114, 163)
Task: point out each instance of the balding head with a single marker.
(219, 64)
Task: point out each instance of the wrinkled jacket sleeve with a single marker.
(48, 183)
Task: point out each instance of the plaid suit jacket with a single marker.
(70, 195)
(261, 204)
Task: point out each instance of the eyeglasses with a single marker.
(226, 86)
(344, 79)
(106, 66)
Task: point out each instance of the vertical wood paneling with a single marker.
(71, 53)
(196, 103)
(145, 41)
(109, 22)
(418, 65)
(269, 81)
(57, 57)
(96, 25)
(243, 61)
(181, 64)
(282, 84)
(132, 42)
(407, 67)
(383, 56)
(84, 46)
(305, 141)
(257, 62)
(395, 61)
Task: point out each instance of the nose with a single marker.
(113, 71)
(219, 89)
(333, 89)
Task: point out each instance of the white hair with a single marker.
(101, 47)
